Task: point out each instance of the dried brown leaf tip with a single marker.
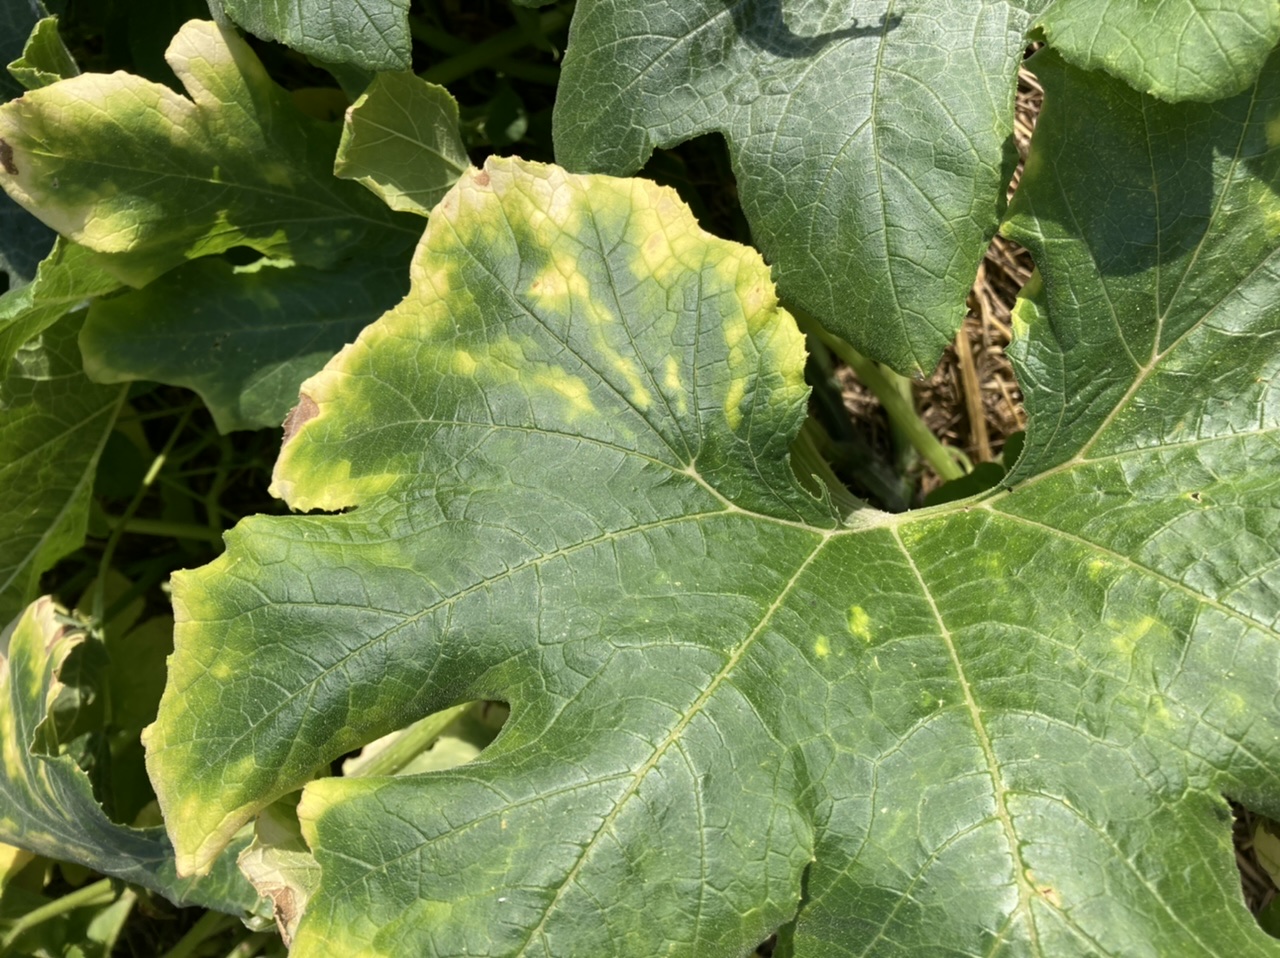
(6, 158)
(299, 416)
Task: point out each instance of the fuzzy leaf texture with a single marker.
(1005, 725)
(127, 166)
(871, 140)
(46, 802)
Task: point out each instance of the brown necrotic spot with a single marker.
(6, 158)
(482, 178)
(299, 416)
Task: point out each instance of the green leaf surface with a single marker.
(53, 425)
(401, 141)
(1174, 49)
(46, 802)
(67, 279)
(45, 59)
(871, 141)
(126, 166)
(1181, 247)
(244, 338)
(999, 726)
(372, 34)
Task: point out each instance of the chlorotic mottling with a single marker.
(563, 467)
(127, 166)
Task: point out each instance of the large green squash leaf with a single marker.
(54, 423)
(127, 166)
(871, 141)
(46, 801)
(372, 34)
(1004, 725)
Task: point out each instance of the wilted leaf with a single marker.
(46, 803)
(126, 166)
(53, 425)
(243, 338)
(372, 34)
(872, 141)
(401, 141)
(1002, 724)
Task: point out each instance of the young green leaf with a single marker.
(53, 425)
(371, 34)
(45, 59)
(563, 458)
(126, 166)
(401, 141)
(243, 338)
(46, 802)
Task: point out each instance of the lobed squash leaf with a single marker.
(1005, 724)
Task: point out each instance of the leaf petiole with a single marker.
(99, 893)
(896, 404)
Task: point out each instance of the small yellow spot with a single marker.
(1273, 131)
(672, 375)
(1130, 635)
(570, 388)
(822, 648)
(860, 623)
(464, 364)
(733, 402)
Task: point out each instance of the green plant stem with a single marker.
(447, 43)
(207, 925)
(172, 530)
(415, 740)
(897, 405)
(100, 592)
(496, 48)
(99, 893)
